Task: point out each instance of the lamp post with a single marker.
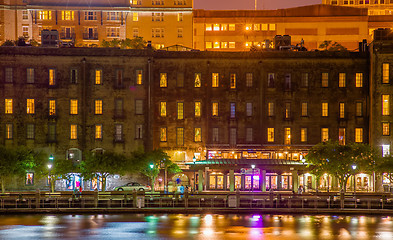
(49, 177)
(194, 160)
(152, 183)
(354, 178)
(252, 178)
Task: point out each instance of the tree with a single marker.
(8, 43)
(335, 159)
(150, 163)
(385, 165)
(15, 162)
(101, 165)
(329, 46)
(135, 43)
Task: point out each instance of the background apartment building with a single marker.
(375, 7)
(87, 24)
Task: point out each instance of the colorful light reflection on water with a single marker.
(197, 226)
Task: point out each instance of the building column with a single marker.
(243, 182)
(200, 180)
(231, 180)
(295, 180)
(263, 181)
(279, 184)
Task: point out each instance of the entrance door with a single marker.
(286, 182)
(271, 182)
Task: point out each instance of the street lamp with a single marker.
(354, 178)
(49, 177)
(252, 178)
(194, 160)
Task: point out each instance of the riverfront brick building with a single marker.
(227, 111)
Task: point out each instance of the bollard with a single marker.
(37, 198)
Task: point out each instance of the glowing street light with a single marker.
(194, 160)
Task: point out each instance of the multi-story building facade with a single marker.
(375, 7)
(87, 24)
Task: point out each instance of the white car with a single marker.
(133, 186)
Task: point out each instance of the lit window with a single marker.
(162, 134)
(270, 109)
(197, 109)
(180, 110)
(304, 109)
(98, 76)
(45, 15)
(135, 17)
(113, 16)
(270, 134)
(30, 108)
(215, 109)
(257, 27)
(8, 130)
(341, 80)
(224, 44)
(216, 27)
(52, 107)
(324, 134)
(163, 109)
(233, 109)
(341, 136)
(385, 150)
(359, 109)
(232, 27)
(30, 75)
(287, 110)
(208, 27)
(215, 79)
(303, 134)
(248, 44)
(25, 15)
(249, 77)
(98, 131)
(272, 27)
(197, 134)
(180, 32)
(52, 77)
(264, 27)
(248, 27)
(342, 110)
(180, 136)
(232, 45)
(233, 80)
(209, 45)
(385, 129)
(8, 106)
(287, 136)
(139, 78)
(224, 27)
(197, 80)
(325, 109)
(163, 80)
(358, 135)
(216, 45)
(180, 17)
(385, 105)
(73, 131)
(73, 106)
(385, 73)
(98, 107)
(359, 79)
(67, 15)
(249, 109)
(325, 79)
(89, 15)
(113, 32)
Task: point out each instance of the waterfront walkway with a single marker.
(206, 202)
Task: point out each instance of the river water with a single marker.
(198, 226)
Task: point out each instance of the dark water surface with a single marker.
(198, 226)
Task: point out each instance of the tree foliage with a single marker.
(101, 165)
(16, 161)
(135, 43)
(335, 159)
(332, 46)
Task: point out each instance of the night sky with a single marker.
(249, 4)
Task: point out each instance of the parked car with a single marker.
(133, 186)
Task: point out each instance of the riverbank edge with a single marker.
(307, 211)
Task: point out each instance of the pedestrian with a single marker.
(181, 191)
(300, 190)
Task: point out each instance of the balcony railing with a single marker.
(65, 35)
